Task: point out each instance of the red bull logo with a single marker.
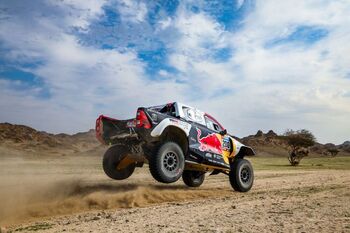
(209, 143)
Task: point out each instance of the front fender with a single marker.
(245, 151)
(241, 149)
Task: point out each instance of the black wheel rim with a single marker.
(245, 175)
(171, 161)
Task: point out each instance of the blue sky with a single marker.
(252, 64)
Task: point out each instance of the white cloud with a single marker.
(80, 12)
(165, 23)
(239, 3)
(83, 81)
(299, 84)
(132, 11)
(287, 86)
(200, 36)
(290, 85)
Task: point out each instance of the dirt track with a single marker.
(72, 194)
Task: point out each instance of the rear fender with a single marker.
(159, 129)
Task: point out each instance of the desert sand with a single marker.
(55, 183)
(72, 194)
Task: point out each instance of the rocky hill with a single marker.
(21, 137)
(261, 139)
(24, 138)
(271, 143)
(266, 144)
(345, 146)
(22, 134)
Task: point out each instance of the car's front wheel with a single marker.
(241, 175)
(112, 160)
(193, 178)
(167, 165)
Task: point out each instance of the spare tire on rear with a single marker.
(112, 158)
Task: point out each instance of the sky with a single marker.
(264, 64)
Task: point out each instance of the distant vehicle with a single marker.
(175, 140)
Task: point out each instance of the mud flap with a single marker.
(125, 162)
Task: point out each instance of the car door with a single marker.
(206, 144)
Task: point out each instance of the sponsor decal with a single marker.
(174, 120)
(192, 156)
(209, 143)
(226, 145)
(131, 123)
(182, 124)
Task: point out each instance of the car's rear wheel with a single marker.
(241, 175)
(193, 178)
(168, 163)
(112, 163)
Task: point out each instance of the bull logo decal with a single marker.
(209, 143)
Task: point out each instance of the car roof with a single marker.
(179, 112)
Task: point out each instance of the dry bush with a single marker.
(333, 151)
(299, 141)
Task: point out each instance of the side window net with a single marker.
(211, 125)
(169, 109)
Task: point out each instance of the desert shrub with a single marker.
(333, 151)
(298, 141)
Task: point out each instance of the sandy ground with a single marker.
(72, 194)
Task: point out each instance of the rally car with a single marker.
(176, 140)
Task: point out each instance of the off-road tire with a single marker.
(167, 165)
(241, 175)
(193, 178)
(112, 158)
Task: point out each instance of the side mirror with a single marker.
(223, 132)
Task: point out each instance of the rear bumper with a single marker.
(111, 131)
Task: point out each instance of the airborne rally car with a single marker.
(175, 140)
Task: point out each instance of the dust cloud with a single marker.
(51, 198)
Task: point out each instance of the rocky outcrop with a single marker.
(26, 138)
(23, 134)
(345, 146)
(271, 134)
(259, 134)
